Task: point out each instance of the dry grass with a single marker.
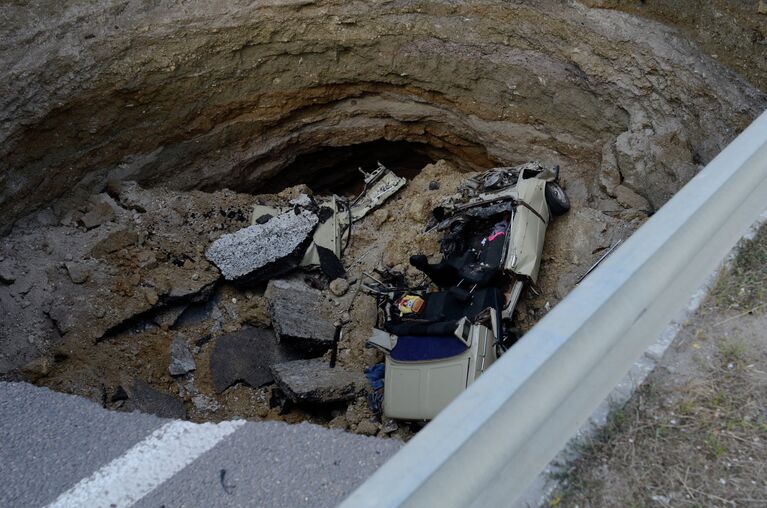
(744, 287)
(696, 433)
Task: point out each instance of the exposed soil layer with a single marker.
(731, 31)
(205, 96)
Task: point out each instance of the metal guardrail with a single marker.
(488, 445)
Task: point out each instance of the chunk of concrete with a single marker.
(181, 359)
(263, 250)
(300, 315)
(148, 400)
(313, 381)
(246, 356)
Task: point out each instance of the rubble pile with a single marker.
(182, 304)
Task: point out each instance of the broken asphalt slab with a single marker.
(246, 356)
(263, 250)
(148, 400)
(313, 381)
(300, 315)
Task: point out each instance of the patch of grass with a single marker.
(744, 286)
(702, 444)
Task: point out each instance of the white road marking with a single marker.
(147, 465)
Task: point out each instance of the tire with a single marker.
(556, 198)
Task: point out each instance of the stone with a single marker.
(380, 217)
(181, 359)
(148, 400)
(150, 295)
(631, 199)
(37, 368)
(99, 214)
(78, 273)
(255, 312)
(339, 422)
(146, 259)
(246, 356)
(367, 428)
(263, 250)
(761, 7)
(609, 175)
(119, 394)
(339, 287)
(389, 426)
(420, 209)
(300, 315)
(7, 273)
(313, 381)
(115, 241)
(205, 404)
(433, 185)
(166, 318)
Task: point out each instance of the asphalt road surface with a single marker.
(60, 450)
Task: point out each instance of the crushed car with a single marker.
(440, 336)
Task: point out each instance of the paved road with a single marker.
(61, 450)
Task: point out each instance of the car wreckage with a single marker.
(440, 336)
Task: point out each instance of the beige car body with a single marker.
(420, 390)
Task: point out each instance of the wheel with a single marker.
(556, 199)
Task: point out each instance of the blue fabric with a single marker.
(375, 375)
(418, 349)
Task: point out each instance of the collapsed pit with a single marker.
(281, 95)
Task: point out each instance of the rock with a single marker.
(313, 381)
(115, 241)
(609, 175)
(181, 359)
(77, 272)
(295, 191)
(300, 315)
(761, 7)
(420, 209)
(150, 295)
(166, 318)
(367, 428)
(380, 217)
(146, 259)
(339, 422)
(246, 357)
(263, 250)
(97, 215)
(119, 394)
(301, 200)
(433, 185)
(205, 404)
(339, 287)
(256, 312)
(631, 199)
(148, 400)
(37, 369)
(185, 288)
(389, 426)
(7, 274)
